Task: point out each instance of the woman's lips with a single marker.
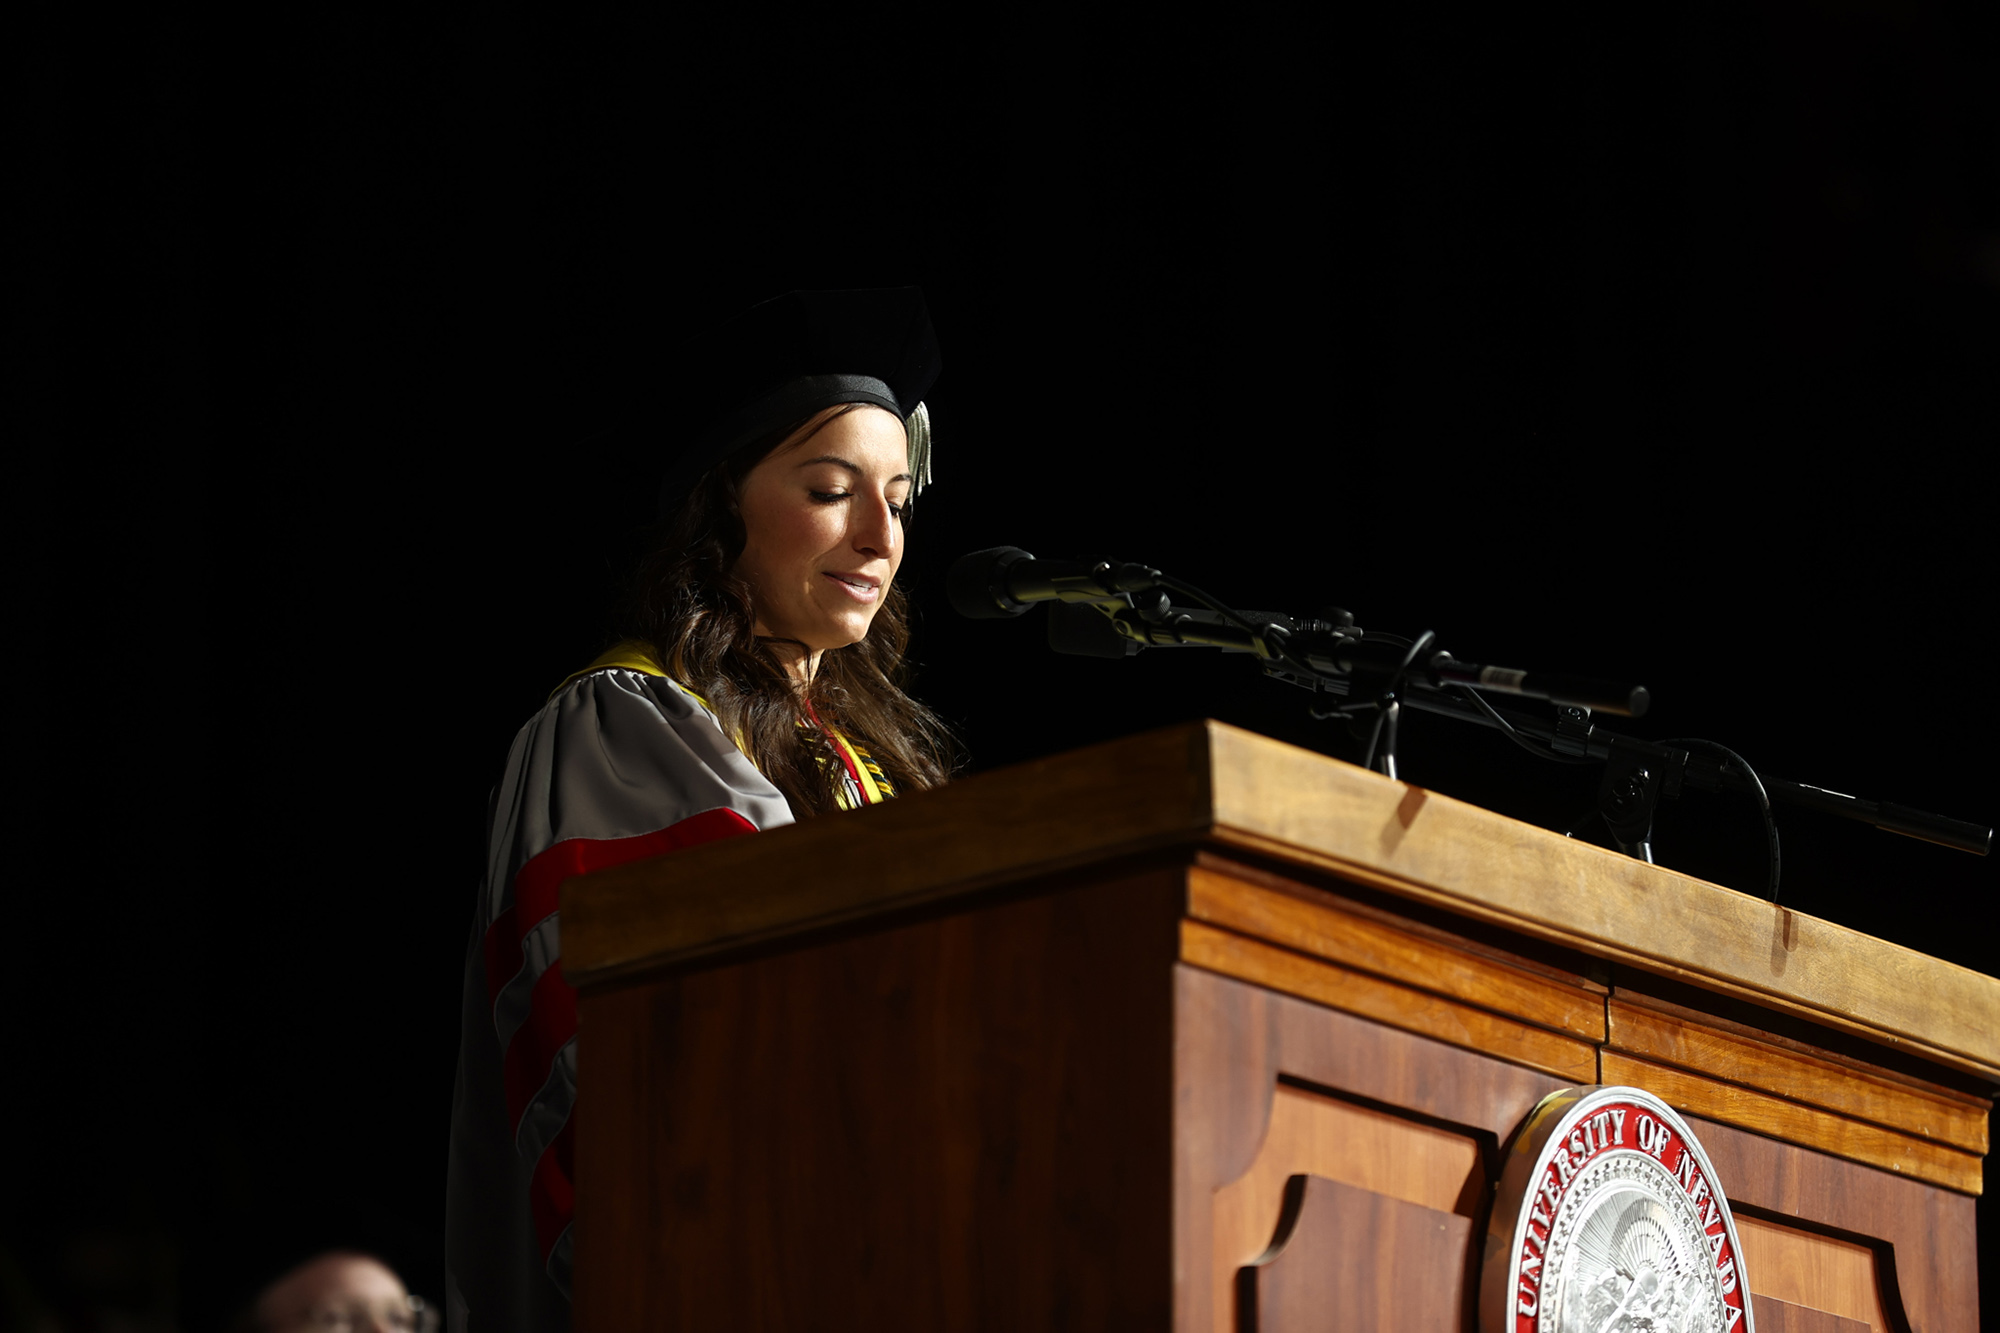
(859, 586)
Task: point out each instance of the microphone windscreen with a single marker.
(977, 584)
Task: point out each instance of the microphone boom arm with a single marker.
(1324, 657)
(1105, 609)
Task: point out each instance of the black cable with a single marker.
(1387, 692)
(1385, 705)
(1422, 642)
(1274, 636)
(1763, 797)
(1374, 738)
(1539, 751)
(1268, 633)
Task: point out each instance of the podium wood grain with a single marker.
(957, 1123)
(1052, 1047)
(1352, 1261)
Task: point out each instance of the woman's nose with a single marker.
(878, 530)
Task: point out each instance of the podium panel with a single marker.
(1197, 1031)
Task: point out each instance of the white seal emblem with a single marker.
(1608, 1219)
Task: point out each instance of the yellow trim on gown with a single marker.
(632, 655)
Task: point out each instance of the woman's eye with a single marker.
(835, 497)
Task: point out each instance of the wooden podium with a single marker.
(1197, 1030)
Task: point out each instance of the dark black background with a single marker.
(1655, 345)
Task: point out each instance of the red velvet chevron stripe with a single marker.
(551, 1195)
(551, 1020)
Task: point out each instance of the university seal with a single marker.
(1609, 1219)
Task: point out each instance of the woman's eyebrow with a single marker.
(855, 468)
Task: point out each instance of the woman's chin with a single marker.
(823, 639)
(848, 630)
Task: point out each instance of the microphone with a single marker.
(1005, 580)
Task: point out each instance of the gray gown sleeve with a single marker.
(618, 765)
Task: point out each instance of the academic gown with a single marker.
(621, 763)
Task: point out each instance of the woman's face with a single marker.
(823, 533)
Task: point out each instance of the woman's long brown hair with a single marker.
(688, 603)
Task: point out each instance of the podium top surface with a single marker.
(1209, 785)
